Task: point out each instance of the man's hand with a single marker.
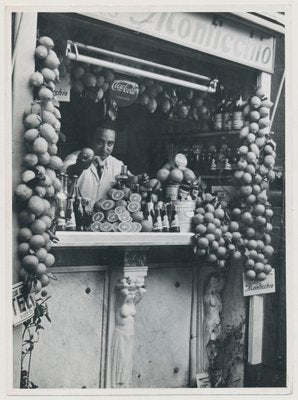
(85, 158)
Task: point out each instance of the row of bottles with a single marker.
(162, 215)
(72, 211)
(229, 113)
(211, 159)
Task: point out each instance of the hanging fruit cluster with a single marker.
(217, 237)
(36, 193)
(253, 175)
(93, 82)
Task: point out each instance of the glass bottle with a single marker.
(174, 225)
(157, 222)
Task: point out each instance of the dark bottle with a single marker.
(237, 113)
(60, 216)
(123, 178)
(157, 221)
(227, 115)
(174, 225)
(62, 195)
(165, 218)
(218, 115)
(79, 214)
(70, 216)
(150, 203)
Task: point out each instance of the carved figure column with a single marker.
(212, 325)
(129, 291)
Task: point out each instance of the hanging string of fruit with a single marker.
(93, 82)
(253, 175)
(217, 237)
(35, 194)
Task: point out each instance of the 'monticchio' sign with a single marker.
(124, 93)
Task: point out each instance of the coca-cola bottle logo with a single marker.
(124, 92)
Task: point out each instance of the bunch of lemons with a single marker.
(35, 195)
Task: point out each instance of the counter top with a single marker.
(121, 239)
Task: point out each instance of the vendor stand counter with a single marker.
(103, 239)
(96, 307)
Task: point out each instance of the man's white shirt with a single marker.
(91, 186)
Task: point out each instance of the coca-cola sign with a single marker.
(124, 93)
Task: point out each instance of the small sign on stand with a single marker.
(22, 309)
(62, 88)
(251, 288)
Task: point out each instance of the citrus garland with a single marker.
(253, 175)
(35, 195)
(243, 233)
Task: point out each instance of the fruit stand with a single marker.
(191, 215)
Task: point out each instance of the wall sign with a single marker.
(22, 310)
(206, 32)
(259, 287)
(62, 88)
(124, 93)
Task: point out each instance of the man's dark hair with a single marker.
(105, 125)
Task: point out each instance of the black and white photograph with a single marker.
(149, 200)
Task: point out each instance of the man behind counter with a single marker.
(96, 169)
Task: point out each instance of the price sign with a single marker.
(22, 309)
(251, 288)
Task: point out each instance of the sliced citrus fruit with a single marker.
(133, 206)
(120, 210)
(95, 226)
(124, 217)
(99, 216)
(112, 217)
(121, 203)
(117, 194)
(124, 227)
(115, 226)
(106, 227)
(135, 197)
(136, 226)
(107, 204)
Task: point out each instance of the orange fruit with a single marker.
(255, 102)
(244, 132)
(55, 163)
(210, 237)
(189, 175)
(209, 217)
(254, 127)
(264, 122)
(50, 260)
(201, 229)
(267, 268)
(52, 149)
(201, 252)
(176, 175)
(234, 226)
(23, 192)
(203, 243)
(251, 137)
(250, 275)
(146, 225)
(40, 146)
(52, 61)
(45, 94)
(261, 276)
(23, 249)
(89, 79)
(219, 213)
(137, 216)
(24, 234)
(36, 242)
(221, 251)
(251, 199)
(246, 190)
(30, 263)
(269, 161)
(32, 121)
(214, 245)
(254, 116)
(46, 42)
(44, 280)
(40, 270)
(41, 254)
(268, 251)
(198, 219)
(36, 205)
(209, 208)
(38, 227)
(41, 52)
